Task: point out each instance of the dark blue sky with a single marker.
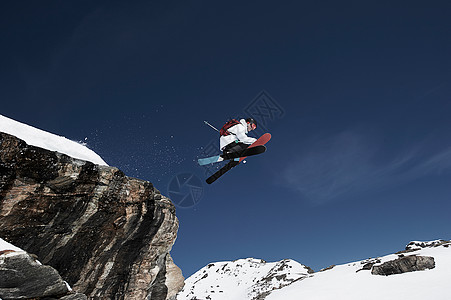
(360, 159)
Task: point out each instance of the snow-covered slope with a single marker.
(49, 141)
(248, 279)
(347, 282)
(4, 246)
(242, 279)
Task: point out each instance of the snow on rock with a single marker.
(39, 138)
(242, 279)
(416, 245)
(5, 246)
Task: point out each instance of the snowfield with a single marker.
(239, 280)
(49, 141)
(344, 282)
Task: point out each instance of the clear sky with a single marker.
(358, 101)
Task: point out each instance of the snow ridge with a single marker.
(242, 279)
(40, 138)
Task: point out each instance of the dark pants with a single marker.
(234, 147)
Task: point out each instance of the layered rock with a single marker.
(22, 277)
(405, 264)
(107, 235)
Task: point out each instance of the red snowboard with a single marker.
(260, 141)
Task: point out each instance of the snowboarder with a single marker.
(233, 135)
(236, 145)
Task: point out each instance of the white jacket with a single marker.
(238, 133)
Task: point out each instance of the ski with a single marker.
(246, 152)
(222, 171)
(259, 142)
(209, 160)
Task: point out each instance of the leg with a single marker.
(233, 148)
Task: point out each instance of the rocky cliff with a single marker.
(107, 235)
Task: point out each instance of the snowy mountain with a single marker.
(242, 279)
(421, 271)
(49, 141)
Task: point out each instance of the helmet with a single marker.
(251, 121)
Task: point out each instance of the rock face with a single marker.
(22, 277)
(404, 264)
(107, 235)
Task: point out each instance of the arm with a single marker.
(240, 132)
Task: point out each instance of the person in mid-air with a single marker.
(233, 135)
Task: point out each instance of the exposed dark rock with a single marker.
(418, 245)
(310, 270)
(328, 268)
(21, 277)
(368, 264)
(414, 246)
(403, 265)
(107, 235)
